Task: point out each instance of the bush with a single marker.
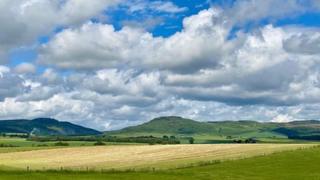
(250, 140)
(42, 145)
(61, 144)
(99, 143)
(8, 145)
(191, 140)
(237, 141)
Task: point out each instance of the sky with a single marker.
(109, 64)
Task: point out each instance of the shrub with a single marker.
(99, 143)
(8, 145)
(42, 145)
(61, 144)
(237, 141)
(191, 140)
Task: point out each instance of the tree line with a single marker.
(139, 139)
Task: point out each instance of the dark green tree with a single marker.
(191, 140)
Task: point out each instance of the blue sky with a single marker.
(108, 64)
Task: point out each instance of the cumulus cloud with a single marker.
(22, 22)
(25, 68)
(282, 118)
(159, 6)
(10, 85)
(306, 43)
(188, 50)
(108, 78)
(242, 12)
(3, 70)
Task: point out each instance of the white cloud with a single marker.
(158, 6)
(124, 77)
(10, 84)
(282, 118)
(305, 43)
(4, 69)
(167, 6)
(23, 21)
(242, 12)
(201, 44)
(25, 68)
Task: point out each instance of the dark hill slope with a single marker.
(44, 126)
(301, 129)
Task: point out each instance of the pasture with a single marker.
(136, 157)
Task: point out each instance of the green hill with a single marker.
(172, 124)
(179, 126)
(309, 130)
(44, 126)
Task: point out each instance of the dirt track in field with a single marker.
(124, 157)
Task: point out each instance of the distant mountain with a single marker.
(44, 126)
(174, 125)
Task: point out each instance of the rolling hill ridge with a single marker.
(44, 126)
(173, 125)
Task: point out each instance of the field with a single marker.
(135, 156)
(15, 144)
(291, 165)
(82, 160)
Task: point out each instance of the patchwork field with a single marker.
(135, 156)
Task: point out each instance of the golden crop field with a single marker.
(139, 156)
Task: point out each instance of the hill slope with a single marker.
(44, 126)
(173, 125)
(179, 125)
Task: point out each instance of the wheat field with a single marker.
(139, 156)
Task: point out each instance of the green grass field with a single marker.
(291, 165)
(21, 144)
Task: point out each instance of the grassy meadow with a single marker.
(16, 144)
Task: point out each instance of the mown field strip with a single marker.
(119, 157)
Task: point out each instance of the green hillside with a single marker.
(309, 130)
(182, 126)
(179, 126)
(44, 126)
(172, 125)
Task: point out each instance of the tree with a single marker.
(191, 140)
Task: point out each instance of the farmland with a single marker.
(136, 156)
(161, 149)
(291, 164)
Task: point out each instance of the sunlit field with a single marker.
(135, 156)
